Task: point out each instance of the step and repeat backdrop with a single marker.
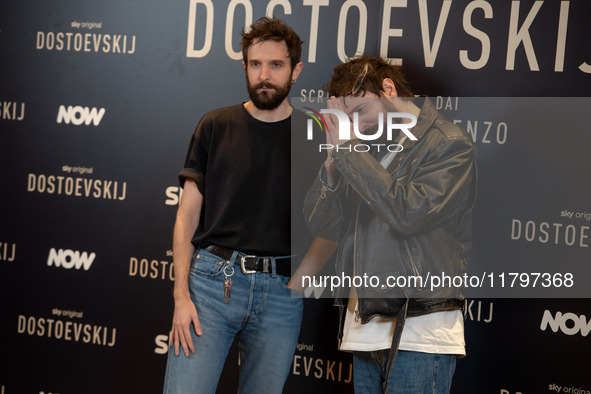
(98, 101)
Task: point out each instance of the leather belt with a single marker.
(251, 264)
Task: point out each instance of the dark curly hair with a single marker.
(272, 29)
(365, 73)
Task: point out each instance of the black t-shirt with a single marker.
(242, 168)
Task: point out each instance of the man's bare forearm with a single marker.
(186, 223)
(183, 252)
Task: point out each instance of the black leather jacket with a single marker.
(412, 218)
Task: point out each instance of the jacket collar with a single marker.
(425, 120)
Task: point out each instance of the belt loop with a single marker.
(273, 267)
(233, 259)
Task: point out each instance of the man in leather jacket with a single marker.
(400, 209)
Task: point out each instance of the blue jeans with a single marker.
(260, 310)
(413, 372)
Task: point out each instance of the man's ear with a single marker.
(244, 64)
(389, 88)
(296, 71)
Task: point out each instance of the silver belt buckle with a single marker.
(243, 260)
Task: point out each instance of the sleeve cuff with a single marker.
(195, 175)
(324, 181)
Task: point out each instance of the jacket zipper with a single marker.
(322, 195)
(361, 195)
(357, 315)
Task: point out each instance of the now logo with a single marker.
(68, 259)
(568, 323)
(78, 115)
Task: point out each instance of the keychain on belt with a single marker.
(227, 282)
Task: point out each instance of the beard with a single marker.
(267, 100)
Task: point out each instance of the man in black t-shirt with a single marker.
(232, 233)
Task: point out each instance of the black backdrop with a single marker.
(98, 102)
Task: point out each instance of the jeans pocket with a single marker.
(283, 280)
(207, 264)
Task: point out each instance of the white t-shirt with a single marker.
(437, 333)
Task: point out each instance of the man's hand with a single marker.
(332, 122)
(185, 313)
(318, 254)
